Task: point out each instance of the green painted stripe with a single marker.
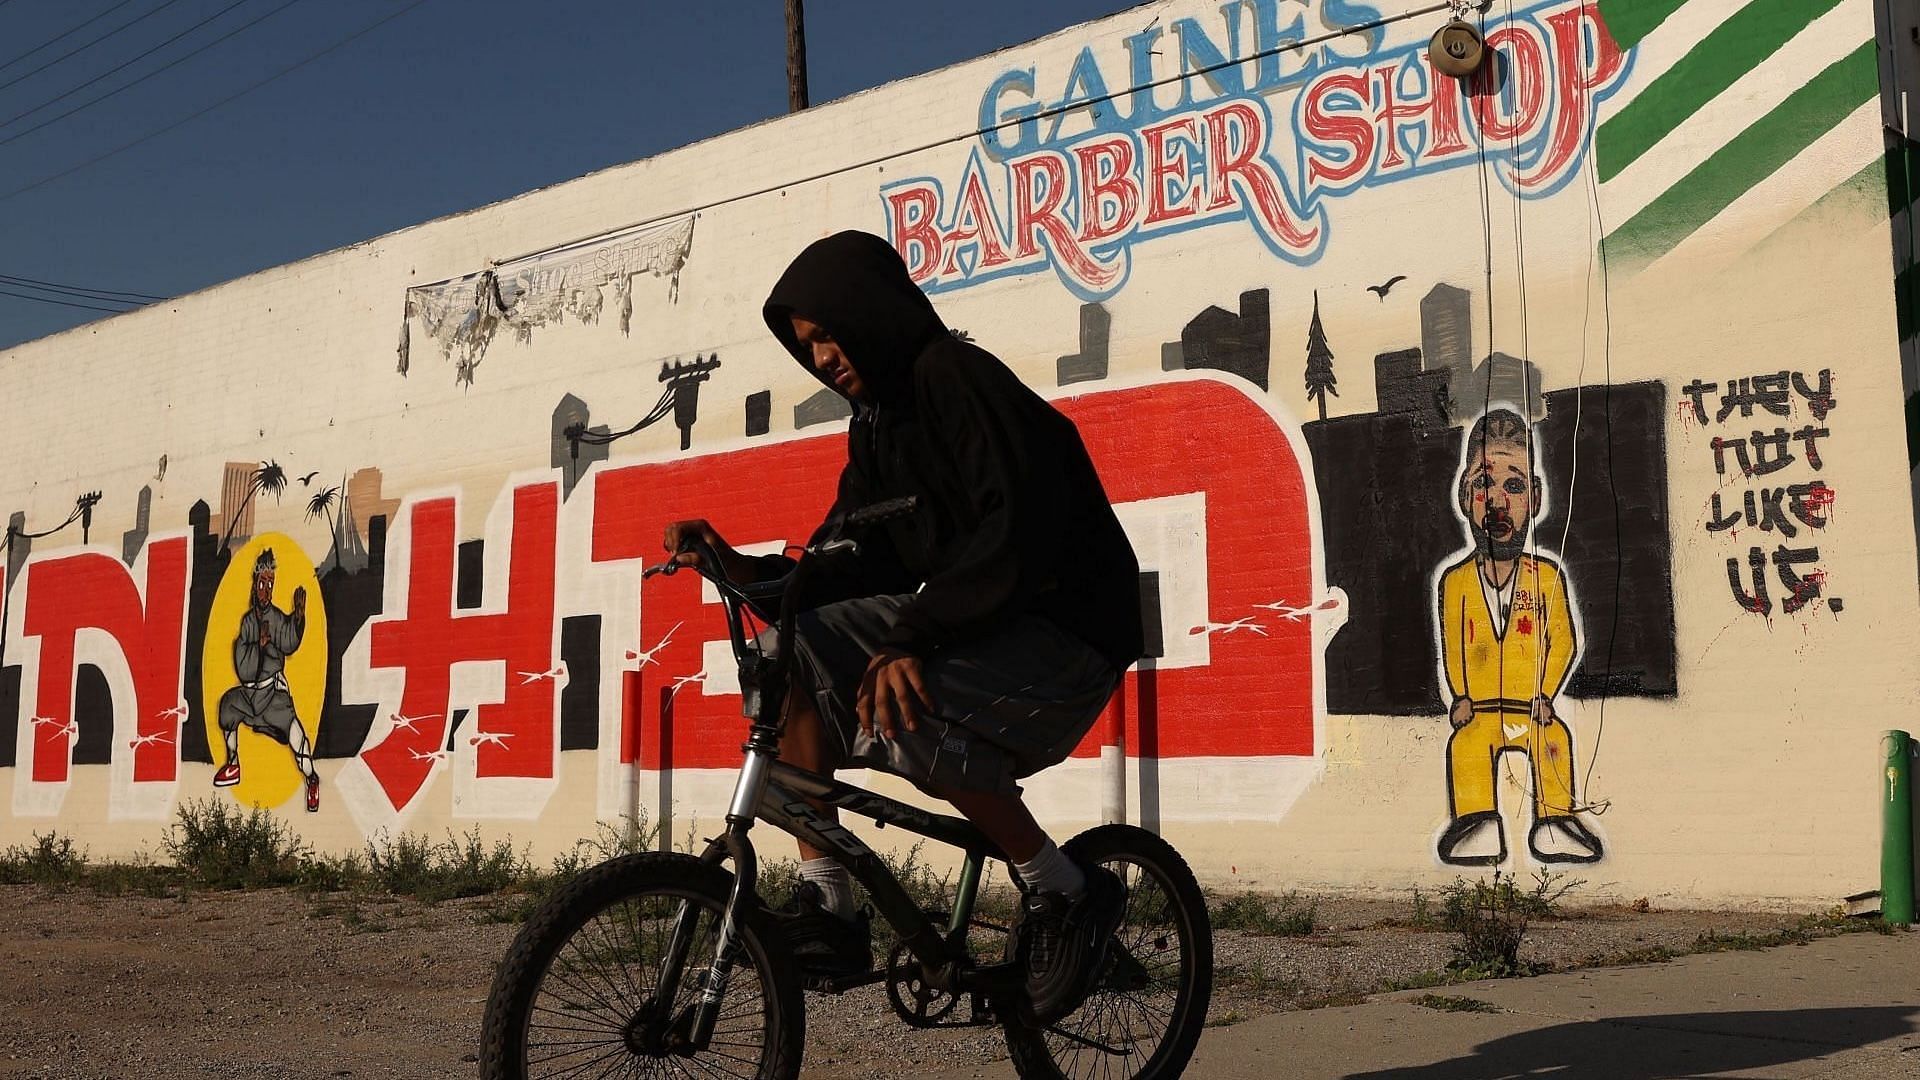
(1630, 20)
(1734, 48)
(1750, 157)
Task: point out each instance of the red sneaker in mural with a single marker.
(228, 775)
(313, 795)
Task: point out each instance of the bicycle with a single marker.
(665, 964)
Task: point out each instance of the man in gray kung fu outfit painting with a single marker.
(262, 701)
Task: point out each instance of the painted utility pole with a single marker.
(796, 57)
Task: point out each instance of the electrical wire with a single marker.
(78, 49)
(70, 31)
(169, 65)
(65, 303)
(229, 99)
(112, 295)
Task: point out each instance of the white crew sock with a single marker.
(836, 885)
(1051, 871)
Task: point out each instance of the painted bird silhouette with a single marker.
(646, 656)
(495, 738)
(405, 723)
(308, 479)
(158, 737)
(1384, 289)
(1235, 626)
(554, 672)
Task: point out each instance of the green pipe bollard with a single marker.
(1896, 833)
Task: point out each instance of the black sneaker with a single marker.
(824, 944)
(1064, 943)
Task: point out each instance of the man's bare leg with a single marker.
(804, 746)
(1005, 819)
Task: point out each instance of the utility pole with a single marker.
(796, 57)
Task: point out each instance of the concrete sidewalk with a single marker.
(1843, 1008)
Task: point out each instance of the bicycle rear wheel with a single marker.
(577, 995)
(1144, 1016)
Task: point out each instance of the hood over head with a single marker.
(856, 286)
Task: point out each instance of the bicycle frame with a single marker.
(771, 790)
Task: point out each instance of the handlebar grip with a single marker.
(875, 513)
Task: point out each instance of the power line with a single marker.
(78, 49)
(122, 66)
(197, 114)
(63, 303)
(69, 32)
(114, 295)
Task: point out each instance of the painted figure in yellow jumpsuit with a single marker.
(1507, 644)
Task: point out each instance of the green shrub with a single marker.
(223, 847)
(464, 865)
(1491, 919)
(49, 860)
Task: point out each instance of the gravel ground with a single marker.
(281, 984)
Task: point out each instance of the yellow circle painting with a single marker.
(263, 673)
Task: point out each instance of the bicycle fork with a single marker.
(695, 1024)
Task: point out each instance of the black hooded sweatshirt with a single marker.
(1011, 516)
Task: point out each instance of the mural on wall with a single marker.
(1508, 638)
(1484, 550)
(267, 681)
(294, 663)
(1388, 516)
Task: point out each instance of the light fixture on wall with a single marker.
(1456, 49)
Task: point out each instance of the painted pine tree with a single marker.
(1320, 377)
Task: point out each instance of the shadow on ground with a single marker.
(1667, 1047)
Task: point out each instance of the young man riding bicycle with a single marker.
(969, 644)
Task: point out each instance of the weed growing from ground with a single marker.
(1449, 1003)
(1286, 915)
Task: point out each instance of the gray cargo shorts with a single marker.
(1005, 706)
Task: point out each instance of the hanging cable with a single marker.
(229, 99)
(81, 291)
(78, 49)
(91, 102)
(64, 303)
(69, 32)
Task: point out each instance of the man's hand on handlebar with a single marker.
(733, 565)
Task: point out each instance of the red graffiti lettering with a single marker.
(1236, 133)
(1328, 113)
(1170, 161)
(913, 211)
(90, 591)
(429, 638)
(1259, 545)
(1109, 196)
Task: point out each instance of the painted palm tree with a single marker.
(323, 504)
(270, 478)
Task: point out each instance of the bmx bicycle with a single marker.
(662, 964)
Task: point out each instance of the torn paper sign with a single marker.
(463, 314)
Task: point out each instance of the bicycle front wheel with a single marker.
(1144, 1016)
(580, 992)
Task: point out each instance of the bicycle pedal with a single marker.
(840, 984)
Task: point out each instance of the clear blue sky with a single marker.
(451, 105)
